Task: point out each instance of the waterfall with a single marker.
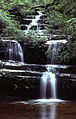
(54, 49)
(48, 79)
(13, 51)
(35, 21)
(48, 84)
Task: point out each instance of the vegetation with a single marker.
(9, 28)
(69, 53)
(61, 19)
(10, 13)
(63, 15)
(35, 39)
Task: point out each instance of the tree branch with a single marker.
(42, 6)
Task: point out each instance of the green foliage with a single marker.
(7, 4)
(67, 7)
(71, 26)
(69, 52)
(61, 17)
(33, 35)
(43, 1)
(13, 33)
(5, 18)
(56, 21)
(9, 27)
(33, 39)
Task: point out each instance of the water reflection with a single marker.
(37, 109)
(48, 112)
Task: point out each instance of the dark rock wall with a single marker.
(28, 89)
(34, 54)
(66, 88)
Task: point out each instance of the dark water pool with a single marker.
(37, 109)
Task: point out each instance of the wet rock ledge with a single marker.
(23, 80)
(20, 80)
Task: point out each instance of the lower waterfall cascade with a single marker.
(48, 79)
(48, 85)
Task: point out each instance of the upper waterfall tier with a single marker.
(54, 50)
(35, 21)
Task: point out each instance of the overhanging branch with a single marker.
(42, 6)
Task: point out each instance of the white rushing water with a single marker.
(48, 79)
(48, 84)
(54, 49)
(13, 51)
(35, 21)
(56, 41)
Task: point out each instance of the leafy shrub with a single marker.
(33, 39)
(69, 52)
(71, 27)
(56, 21)
(9, 27)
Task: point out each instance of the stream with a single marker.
(47, 106)
(10, 109)
(53, 85)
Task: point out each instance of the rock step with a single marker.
(13, 73)
(35, 69)
(40, 26)
(67, 76)
(33, 16)
(28, 19)
(18, 66)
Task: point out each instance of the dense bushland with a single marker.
(61, 19)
